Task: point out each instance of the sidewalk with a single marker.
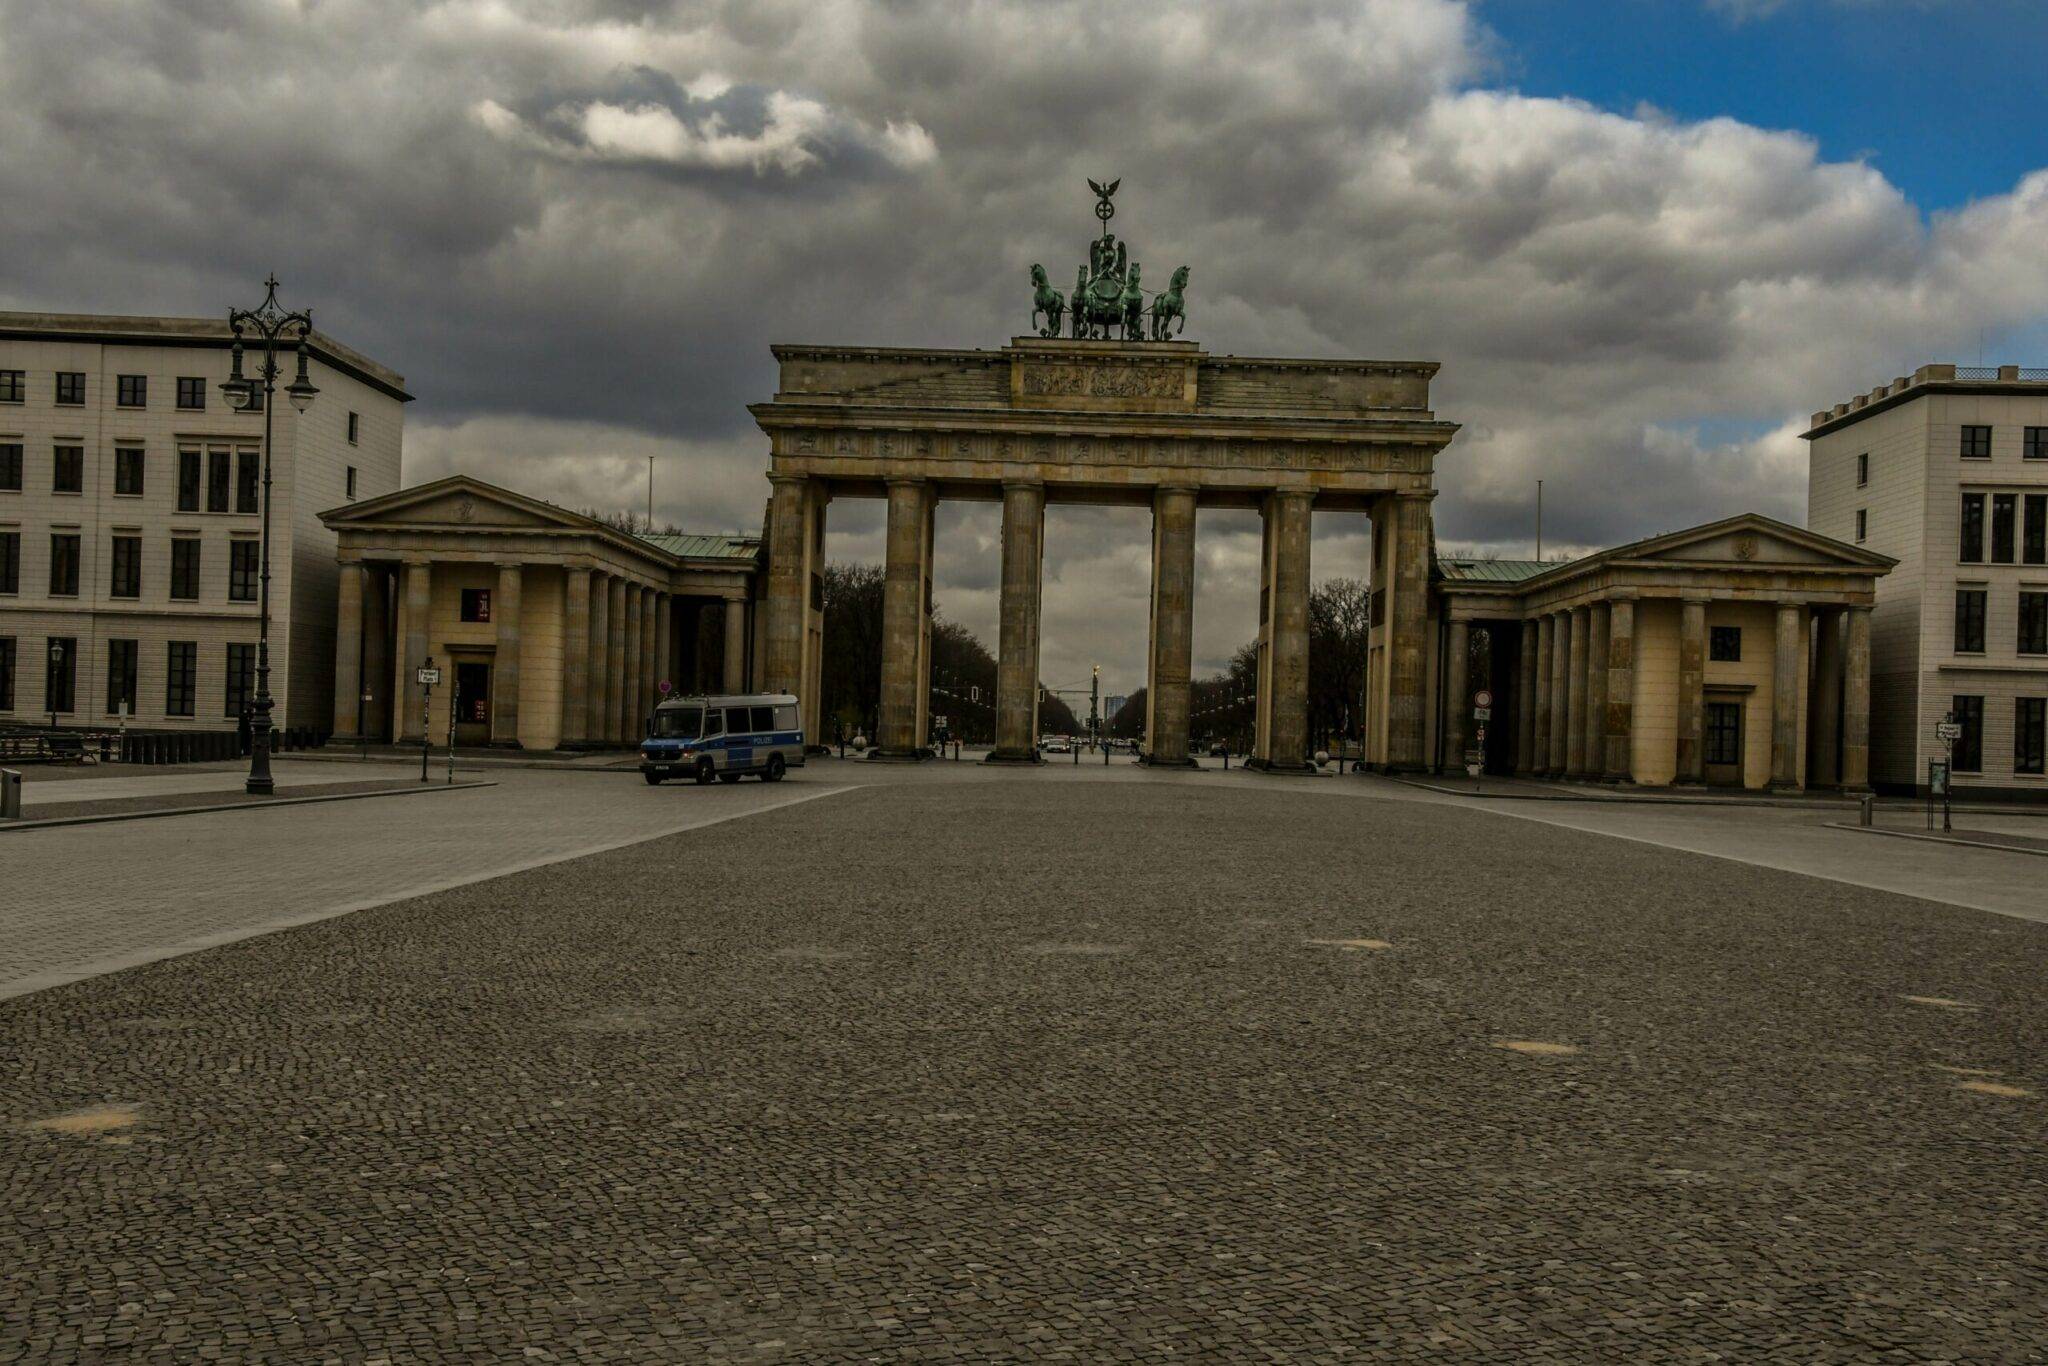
(1541, 790)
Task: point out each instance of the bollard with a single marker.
(1869, 811)
(10, 794)
(1077, 756)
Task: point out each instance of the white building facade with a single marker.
(1947, 472)
(131, 527)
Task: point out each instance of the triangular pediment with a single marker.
(1748, 539)
(460, 500)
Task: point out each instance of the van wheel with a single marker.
(705, 772)
(728, 777)
(775, 767)
(653, 779)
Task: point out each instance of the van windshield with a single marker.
(679, 723)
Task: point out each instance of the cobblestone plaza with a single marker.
(848, 1077)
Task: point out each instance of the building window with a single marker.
(192, 394)
(1724, 733)
(120, 676)
(1976, 443)
(71, 393)
(1970, 621)
(2033, 632)
(1972, 535)
(1724, 644)
(1863, 470)
(60, 674)
(2034, 532)
(2036, 446)
(10, 466)
(6, 673)
(355, 427)
(128, 471)
(181, 679)
(13, 386)
(64, 564)
(67, 470)
(218, 476)
(242, 570)
(476, 604)
(246, 474)
(2030, 735)
(241, 679)
(2001, 527)
(131, 391)
(1968, 756)
(351, 483)
(185, 568)
(10, 561)
(1862, 524)
(127, 576)
(188, 481)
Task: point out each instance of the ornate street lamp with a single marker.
(270, 327)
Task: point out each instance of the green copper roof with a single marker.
(696, 547)
(1491, 571)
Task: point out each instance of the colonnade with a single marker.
(1577, 688)
(619, 637)
(794, 619)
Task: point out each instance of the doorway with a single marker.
(1724, 744)
(473, 704)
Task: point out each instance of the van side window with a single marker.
(785, 718)
(736, 721)
(713, 721)
(764, 718)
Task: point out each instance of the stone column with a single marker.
(348, 654)
(615, 661)
(1284, 698)
(1173, 627)
(575, 656)
(1856, 702)
(902, 622)
(1788, 663)
(1824, 727)
(1598, 624)
(664, 642)
(1457, 693)
(785, 646)
(594, 731)
(1407, 634)
(629, 655)
(419, 610)
(734, 665)
(1545, 629)
(1575, 695)
(508, 667)
(1017, 630)
(1620, 728)
(1525, 698)
(1692, 691)
(1560, 695)
(376, 719)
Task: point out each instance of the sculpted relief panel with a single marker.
(1104, 381)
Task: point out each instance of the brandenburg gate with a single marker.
(1117, 412)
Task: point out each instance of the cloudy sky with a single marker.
(1644, 237)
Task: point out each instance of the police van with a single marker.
(723, 737)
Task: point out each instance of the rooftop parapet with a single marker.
(1928, 379)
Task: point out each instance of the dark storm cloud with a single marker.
(577, 224)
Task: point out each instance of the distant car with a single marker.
(1219, 750)
(1058, 745)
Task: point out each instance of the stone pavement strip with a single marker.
(974, 1071)
(81, 900)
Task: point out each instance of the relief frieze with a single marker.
(1104, 381)
(1086, 451)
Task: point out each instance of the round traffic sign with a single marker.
(1482, 698)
